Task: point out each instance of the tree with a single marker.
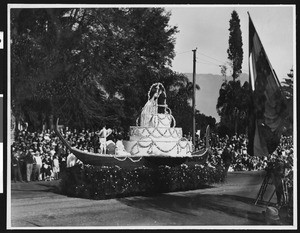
(232, 106)
(287, 85)
(78, 64)
(49, 70)
(202, 121)
(287, 89)
(179, 94)
(235, 50)
(224, 72)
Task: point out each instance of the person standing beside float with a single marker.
(104, 133)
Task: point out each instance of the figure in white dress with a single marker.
(150, 109)
(71, 160)
(120, 149)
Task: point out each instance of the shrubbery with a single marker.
(109, 182)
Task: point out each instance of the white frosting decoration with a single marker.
(155, 133)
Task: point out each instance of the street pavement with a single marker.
(226, 205)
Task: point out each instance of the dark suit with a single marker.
(29, 165)
(16, 169)
(227, 159)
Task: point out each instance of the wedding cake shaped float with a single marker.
(155, 133)
(155, 140)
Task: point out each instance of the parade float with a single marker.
(154, 140)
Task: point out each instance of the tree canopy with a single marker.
(92, 66)
(235, 50)
(287, 89)
(232, 104)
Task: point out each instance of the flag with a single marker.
(268, 105)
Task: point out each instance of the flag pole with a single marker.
(194, 90)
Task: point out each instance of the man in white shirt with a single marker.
(102, 139)
(38, 165)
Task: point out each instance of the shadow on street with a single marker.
(228, 204)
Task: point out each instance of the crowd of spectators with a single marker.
(37, 156)
(42, 156)
(232, 153)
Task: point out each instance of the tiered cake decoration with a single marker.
(155, 132)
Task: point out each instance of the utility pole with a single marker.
(194, 94)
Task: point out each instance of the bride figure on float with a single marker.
(150, 110)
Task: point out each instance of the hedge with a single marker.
(86, 181)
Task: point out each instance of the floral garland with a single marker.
(158, 119)
(128, 157)
(135, 161)
(171, 134)
(119, 158)
(152, 143)
(164, 134)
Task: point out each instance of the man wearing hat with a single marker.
(16, 165)
(29, 164)
(22, 161)
(277, 178)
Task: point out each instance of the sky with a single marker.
(206, 28)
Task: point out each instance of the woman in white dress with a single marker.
(150, 110)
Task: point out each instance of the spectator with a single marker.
(38, 165)
(63, 160)
(103, 135)
(29, 165)
(16, 166)
(113, 135)
(55, 167)
(22, 162)
(227, 158)
(95, 141)
(277, 177)
(47, 169)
